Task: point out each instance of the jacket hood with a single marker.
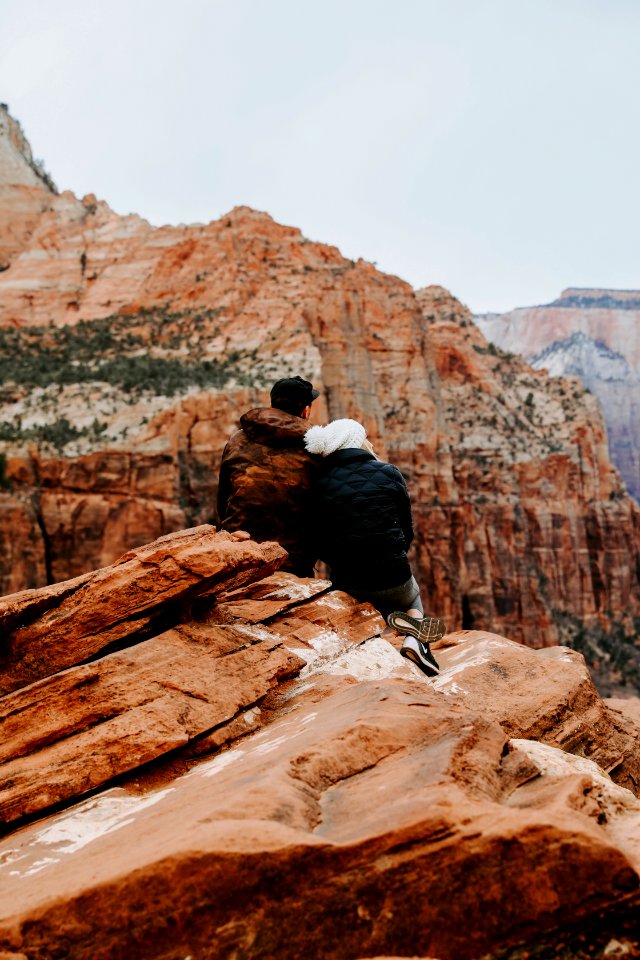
(337, 435)
(274, 428)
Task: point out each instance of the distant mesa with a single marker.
(582, 356)
(592, 299)
(593, 334)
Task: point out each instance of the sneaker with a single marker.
(425, 629)
(420, 653)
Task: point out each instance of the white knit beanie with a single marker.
(338, 435)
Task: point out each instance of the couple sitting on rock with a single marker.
(323, 494)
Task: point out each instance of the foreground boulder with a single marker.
(546, 695)
(70, 733)
(269, 778)
(44, 631)
(316, 835)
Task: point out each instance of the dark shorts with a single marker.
(402, 597)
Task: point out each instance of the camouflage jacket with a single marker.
(266, 485)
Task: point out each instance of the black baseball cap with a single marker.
(294, 390)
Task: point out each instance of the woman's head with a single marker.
(338, 435)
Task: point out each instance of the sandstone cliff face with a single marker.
(128, 353)
(25, 189)
(592, 334)
(203, 757)
(540, 505)
(610, 378)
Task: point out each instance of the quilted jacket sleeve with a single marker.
(404, 507)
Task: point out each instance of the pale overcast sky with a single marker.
(492, 146)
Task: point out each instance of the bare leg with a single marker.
(414, 612)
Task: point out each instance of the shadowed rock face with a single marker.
(269, 778)
(128, 354)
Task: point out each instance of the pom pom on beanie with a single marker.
(338, 435)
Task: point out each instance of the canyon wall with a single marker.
(128, 353)
(26, 191)
(592, 334)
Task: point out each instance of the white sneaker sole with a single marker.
(411, 651)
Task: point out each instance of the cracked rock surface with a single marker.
(267, 777)
(122, 601)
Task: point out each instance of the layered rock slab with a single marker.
(543, 695)
(266, 598)
(377, 791)
(343, 790)
(122, 601)
(69, 734)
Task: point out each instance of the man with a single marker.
(266, 475)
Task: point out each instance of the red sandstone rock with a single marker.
(268, 597)
(24, 194)
(121, 601)
(277, 843)
(19, 608)
(541, 524)
(628, 708)
(357, 784)
(22, 553)
(70, 733)
(344, 790)
(539, 506)
(544, 695)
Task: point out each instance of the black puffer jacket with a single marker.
(363, 521)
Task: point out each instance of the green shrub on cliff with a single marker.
(110, 351)
(57, 434)
(612, 654)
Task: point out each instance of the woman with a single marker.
(364, 531)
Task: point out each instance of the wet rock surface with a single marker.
(269, 778)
